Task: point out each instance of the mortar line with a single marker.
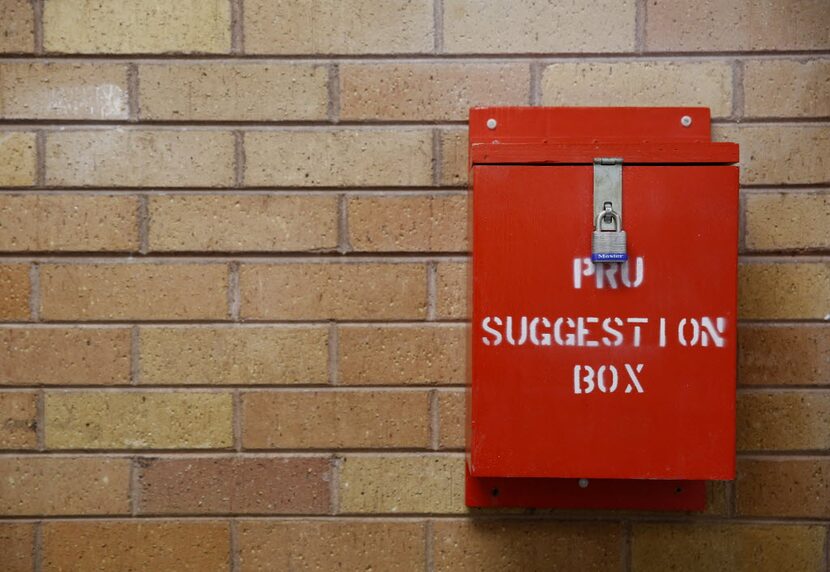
(40, 419)
(738, 97)
(438, 26)
(237, 419)
(437, 158)
(333, 88)
(37, 13)
(435, 419)
(239, 157)
(135, 356)
(626, 545)
(234, 295)
(133, 485)
(333, 358)
(133, 87)
(641, 12)
(233, 532)
(34, 292)
(535, 97)
(37, 546)
(344, 244)
(40, 158)
(237, 37)
(432, 289)
(429, 543)
(143, 224)
(731, 506)
(334, 484)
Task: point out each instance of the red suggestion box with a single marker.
(603, 337)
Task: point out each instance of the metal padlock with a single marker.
(608, 245)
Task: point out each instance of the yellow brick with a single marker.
(14, 292)
(242, 223)
(345, 158)
(63, 91)
(783, 291)
(737, 25)
(477, 26)
(137, 26)
(786, 88)
(202, 546)
(783, 486)
(495, 545)
(454, 157)
(374, 355)
(17, 546)
(773, 154)
(783, 355)
(322, 291)
(412, 91)
(658, 83)
(68, 223)
(18, 420)
(331, 419)
(138, 420)
(133, 291)
(452, 415)
(17, 159)
(239, 356)
(331, 545)
(451, 290)
(787, 221)
(734, 547)
(402, 484)
(17, 26)
(769, 421)
(139, 158)
(346, 26)
(233, 92)
(64, 356)
(408, 223)
(35, 486)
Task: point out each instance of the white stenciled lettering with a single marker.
(612, 274)
(606, 378)
(508, 328)
(534, 332)
(485, 325)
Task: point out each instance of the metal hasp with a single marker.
(600, 383)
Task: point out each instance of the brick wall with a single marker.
(232, 257)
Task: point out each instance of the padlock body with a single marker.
(608, 246)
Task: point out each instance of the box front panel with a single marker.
(606, 370)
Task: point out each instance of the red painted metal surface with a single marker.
(622, 375)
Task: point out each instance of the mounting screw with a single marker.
(491, 123)
(583, 483)
(685, 121)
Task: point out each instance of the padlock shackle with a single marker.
(608, 212)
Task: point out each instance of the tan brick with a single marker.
(17, 159)
(63, 91)
(329, 545)
(783, 290)
(138, 420)
(780, 421)
(480, 26)
(140, 158)
(787, 221)
(408, 223)
(454, 166)
(429, 91)
(451, 290)
(121, 545)
(332, 419)
(14, 292)
(784, 355)
(18, 420)
(68, 223)
(735, 547)
(775, 154)
(344, 158)
(347, 27)
(35, 486)
(133, 291)
(373, 355)
(461, 545)
(452, 417)
(786, 88)
(402, 484)
(783, 487)
(263, 223)
(17, 546)
(64, 356)
(301, 291)
(657, 83)
(238, 356)
(137, 26)
(17, 27)
(223, 485)
(736, 25)
(233, 92)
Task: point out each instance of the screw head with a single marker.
(491, 123)
(583, 483)
(685, 121)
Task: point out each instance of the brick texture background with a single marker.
(232, 267)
